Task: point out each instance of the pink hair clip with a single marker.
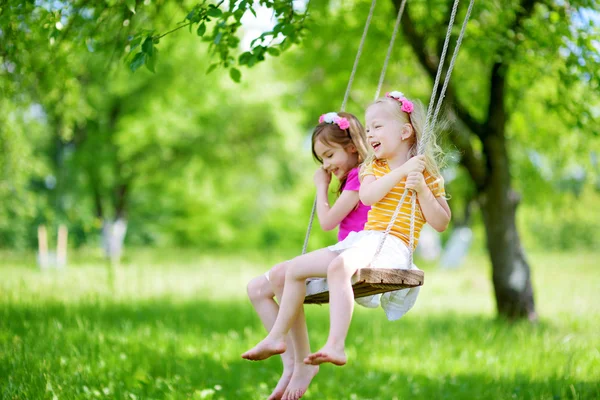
(334, 118)
(406, 105)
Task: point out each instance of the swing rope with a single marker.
(343, 108)
(430, 119)
(429, 123)
(358, 55)
(429, 127)
(451, 67)
(389, 50)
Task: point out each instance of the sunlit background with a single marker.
(137, 205)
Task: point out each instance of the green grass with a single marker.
(172, 325)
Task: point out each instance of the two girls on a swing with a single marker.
(394, 128)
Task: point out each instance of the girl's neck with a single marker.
(399, 159)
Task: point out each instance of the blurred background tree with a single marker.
(185, 158)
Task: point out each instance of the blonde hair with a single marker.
(331, 134)
(432, 151)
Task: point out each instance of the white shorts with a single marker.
(394, 254)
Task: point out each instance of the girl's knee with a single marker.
(339, 268)
(277, 275)
(294, 271)
(259, 288)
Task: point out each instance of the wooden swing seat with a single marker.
(366, 282)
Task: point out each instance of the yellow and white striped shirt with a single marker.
(382, 211)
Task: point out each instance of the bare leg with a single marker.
(341, 306)
(313, 264)
(302, 373)
(262, 297)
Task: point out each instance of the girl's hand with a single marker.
(322, 177)
(416, 181)
(415, 164)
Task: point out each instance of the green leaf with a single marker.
(218, 38)
(150, 61)
(288, 30)
(235, 74)
(233, 41)
(238, 14)
(214, 11)
(134, 47)
(285, 44)
(131, 5)
(137, 39)
(148, 46)
(138, 61)
(194, 15)
(273, 51)
(244, 58)
(211, 68)
(201, 29)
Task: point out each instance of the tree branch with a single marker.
(497, 117)
(121, 192)
(464, 121)
(431, 63)
(469, 158)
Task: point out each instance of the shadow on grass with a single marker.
(182, 316)
(181, 349)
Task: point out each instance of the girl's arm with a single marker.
(435, 209)
(330, 217)
(372, 189)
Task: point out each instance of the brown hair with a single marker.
(332, 134)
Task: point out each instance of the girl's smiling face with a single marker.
(335, 158)
(384, 131)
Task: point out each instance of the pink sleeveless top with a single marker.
(356, 219)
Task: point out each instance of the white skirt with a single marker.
(394, 254)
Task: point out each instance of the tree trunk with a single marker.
(490, 174)
(511, 274)
(113, 237)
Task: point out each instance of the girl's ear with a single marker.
(352, 148)
(407, 131)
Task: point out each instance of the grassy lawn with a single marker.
(172, 325)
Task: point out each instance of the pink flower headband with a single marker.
(334, 118)
(407, 105)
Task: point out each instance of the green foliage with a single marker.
(550, 118)
(565, 222)
(189, 149)
(161, 327)
(22, 175)
(224, 39)
(167, 141)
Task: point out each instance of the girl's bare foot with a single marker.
(327, 354)
(303, 375)
(282, 385)
(265, 349)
